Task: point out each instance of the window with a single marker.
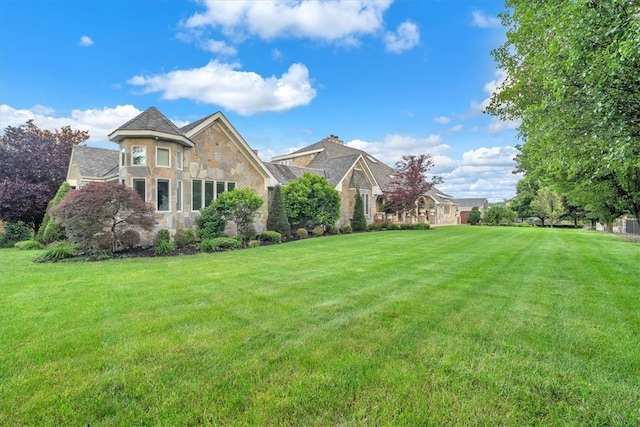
(196, 195)
(179, 160)
(123, 157)
(179, 196)
(162, 195)
(367, 210)
(140, 186)
(209, 195)
(162, 157)
(139, 155)
(446, 209)
(205, 192)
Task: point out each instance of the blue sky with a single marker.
(389, 77)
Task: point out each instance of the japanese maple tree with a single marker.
(410, 181)
(100, 207)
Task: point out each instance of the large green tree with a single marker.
(547, 205)
(240, 206)
(572, 71)
(277, 219)
(311, 201)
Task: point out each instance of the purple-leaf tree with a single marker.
(410, 181)
(34, 165)
(103, 207)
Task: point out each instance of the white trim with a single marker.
(179, 153)
(121, 134)
(291, 156)
(179, 197)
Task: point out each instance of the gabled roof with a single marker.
(284, 174)
(151, 123)
(336, 158)
(470, 203)
(95, 162)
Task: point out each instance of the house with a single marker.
(465, 206)
(349, 169)
(181, 170)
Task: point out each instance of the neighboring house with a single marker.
(465, 206)
(181, 170)
(349, 169)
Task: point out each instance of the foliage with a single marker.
(163, 235)
(130, 238)
(271, 236)
(475, 216)
(498, 215)
(547, 204)
(184, 237)
(28, 245)
(421, 226)
(241, 206)
(317, 231)
(57, 251)
(254, 243)
(14, 232)
(50, 231)
(99, 207)
(526, 190)
(210, 224)
(359, 221)
(392, 226)
(406, 226)
(164, 247)
(410, 181)
(347, 229)
(571, 80)
(219, 244)
(34, 164)
(102, 241)
(311, 201)
(333, 230)
(277, 219)
(302, 233)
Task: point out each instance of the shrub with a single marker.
(56, 252)
(475, 216)
(163, 236)
(210, 224)
(392, 226)
(347, 229)
(421, 226)
(184, 237)
(240, 206)
(277, 219)
(271, 236)
(219, 244)
(130, 238)
(14, 232)
(164, 247)
(102, 241)
(50, 230)
(253, 243)
(359, 221)
(302, 233)
(317, 231)
(333, 230)
(407, 227)
(28, 245)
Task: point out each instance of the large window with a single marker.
(162, 157)
(367, 210)
(179, 160)
(204, 192)
(140, 186)
(139, 155)
(446, 209)
(179, 196)
(162, 195)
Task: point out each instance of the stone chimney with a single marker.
(335, 139)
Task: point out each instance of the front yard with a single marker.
(452, 326)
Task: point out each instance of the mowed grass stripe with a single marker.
(455, 325)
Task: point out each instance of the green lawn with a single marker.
(451, 326)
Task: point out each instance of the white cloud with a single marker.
(394, 146)
(404, 38)
(224, 84)
(85, 41)
(456, 129)
(219, 47)
(442, 120)
(330, 20)
(276, 54)
(98, 122)
(482, 20)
